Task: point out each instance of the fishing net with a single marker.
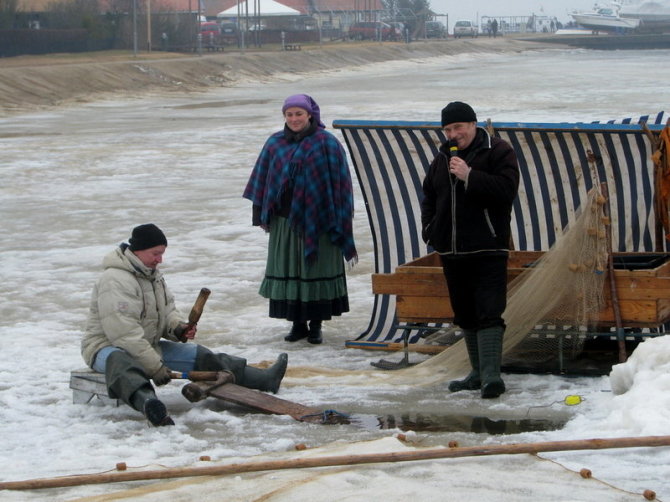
(562, 289)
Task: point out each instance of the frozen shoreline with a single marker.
(78, 176)
(38, 82)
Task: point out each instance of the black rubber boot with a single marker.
(314, 336)
(267, 380)
(154, 410)
(298, 332)
(156, 413)
(126, 380)
(490, 356)
(472, 381)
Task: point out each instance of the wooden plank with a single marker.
(635, 314)
(632, 292)
(663, 270)
(424, 308)
(429, 260)
(406, 269)
(416, 285)
(263, 402)
(395, 347)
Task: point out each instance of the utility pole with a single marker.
(135, 28)
(149, 25)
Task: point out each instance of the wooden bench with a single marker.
(642, 282)
(643, 288)
(88, 385)
(292, 47)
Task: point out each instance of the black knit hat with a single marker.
(147, 236)
(457, 111)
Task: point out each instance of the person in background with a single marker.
(301, 192)
(135, 333)
(466, 211)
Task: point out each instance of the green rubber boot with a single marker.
(490, 356)
(266, 380)
(472, 381)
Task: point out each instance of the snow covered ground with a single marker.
(76, 180)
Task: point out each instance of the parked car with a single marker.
(435, 29)
(211, 34)
(370, 30)
(229, 33)
(209, 28)
(465, 29)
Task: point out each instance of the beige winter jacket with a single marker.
(131, 308)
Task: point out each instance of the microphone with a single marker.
(453, 148)
(453, 152)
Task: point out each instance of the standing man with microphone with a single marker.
(466, 211)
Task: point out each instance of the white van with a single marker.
(465, 29)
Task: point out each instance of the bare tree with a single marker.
(8, 11)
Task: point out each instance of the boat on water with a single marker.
(606, 19)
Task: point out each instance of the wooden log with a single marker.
(340, 460)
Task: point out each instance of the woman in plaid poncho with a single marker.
(302, 195)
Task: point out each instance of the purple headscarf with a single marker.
(306, 103)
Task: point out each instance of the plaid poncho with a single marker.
(316, 167)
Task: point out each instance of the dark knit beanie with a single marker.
(147, 236)
(457, 111)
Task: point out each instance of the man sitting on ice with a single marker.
(135, 333)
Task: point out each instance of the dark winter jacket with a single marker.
(463, 220)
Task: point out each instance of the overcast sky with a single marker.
(474, 9)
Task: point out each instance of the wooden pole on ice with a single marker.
(368, 458)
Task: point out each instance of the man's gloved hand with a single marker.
(179, 332)
(162, 376)
(185, 332)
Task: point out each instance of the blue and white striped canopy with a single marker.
(560, 163)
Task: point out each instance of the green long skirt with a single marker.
(299, 292)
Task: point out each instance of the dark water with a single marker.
(418, 422)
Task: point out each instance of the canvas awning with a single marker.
(391, 159)
(265, 8)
